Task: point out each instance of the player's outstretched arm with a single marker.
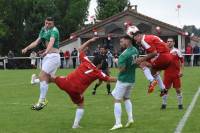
(87, 43)
(112, 79)
(32, 45)
(145, 58)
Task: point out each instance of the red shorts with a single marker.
(66, 86)
(172, 80)
(161, 62)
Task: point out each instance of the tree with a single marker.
(73, 17)
(192, 29)
(21, 20)
(107, 8)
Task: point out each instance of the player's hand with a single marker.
(139, 60)
(24, 50)
(44, 54)
(180, 74)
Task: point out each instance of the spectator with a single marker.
(11, 62)
(196, 57)
(61, 58)
(116, 55)
(96, 51)
(67, 56)
(33, 56)
(110, 58)
(189, 52)
(74, 55)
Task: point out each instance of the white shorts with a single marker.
(122, 90)
(50, 63)
(33, 61)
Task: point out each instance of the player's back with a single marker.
(85, 74)
(153, 43)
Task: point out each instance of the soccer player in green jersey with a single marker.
(125, 82)
(49, 36)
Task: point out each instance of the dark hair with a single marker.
(49, 19)
(126, 37)
(136, 33)
(170, 38)
(97, 60)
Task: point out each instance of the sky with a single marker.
(166, 11)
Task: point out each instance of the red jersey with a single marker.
(174, 67)
(84, 75)
(153, 43)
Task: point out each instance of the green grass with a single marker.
(17, 95)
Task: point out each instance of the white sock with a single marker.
(43, 90)
(128, 106)
(180, 98)
(148, 74)
(164, 99)
(37, 81)
(79, 115)
(117, 113)
(160, 82)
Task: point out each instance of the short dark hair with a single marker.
(97, 60)
(49, 19)
(126, 37)
(136, 33)
(170, 38)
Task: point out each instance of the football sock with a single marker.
(164, 99)
(36, 81)
(108, 88)
(117, 113)
(160, 82)
(78, 116)
(96, 85)
(148, 74)
(128, 107)
(43, 90)
(180, 98)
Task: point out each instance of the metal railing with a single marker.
(19, 62)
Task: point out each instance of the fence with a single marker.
(25, 62)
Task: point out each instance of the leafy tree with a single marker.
(192, 29)
(107, 8)
(21, 20)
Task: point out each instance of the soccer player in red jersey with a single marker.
(158, 57)
(173, 74)
(75, 83)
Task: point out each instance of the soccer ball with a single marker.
(131, 30)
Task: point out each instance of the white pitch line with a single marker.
(187, 113)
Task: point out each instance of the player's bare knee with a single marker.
(125, 98)
(178, 91)
(117, 100)
(80, 105)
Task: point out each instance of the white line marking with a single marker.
(187, 113)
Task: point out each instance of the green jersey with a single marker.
(127, 60)
(46, 34)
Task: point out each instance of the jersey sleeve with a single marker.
(102, 76)
(83, 57)
(54, 33)
(41, 32)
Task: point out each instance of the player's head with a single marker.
(49, 22)
(134, 33)
(170, 42)
(97, 61)
(125, 41)
(102, 49)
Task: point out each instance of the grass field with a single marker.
(17, 95)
